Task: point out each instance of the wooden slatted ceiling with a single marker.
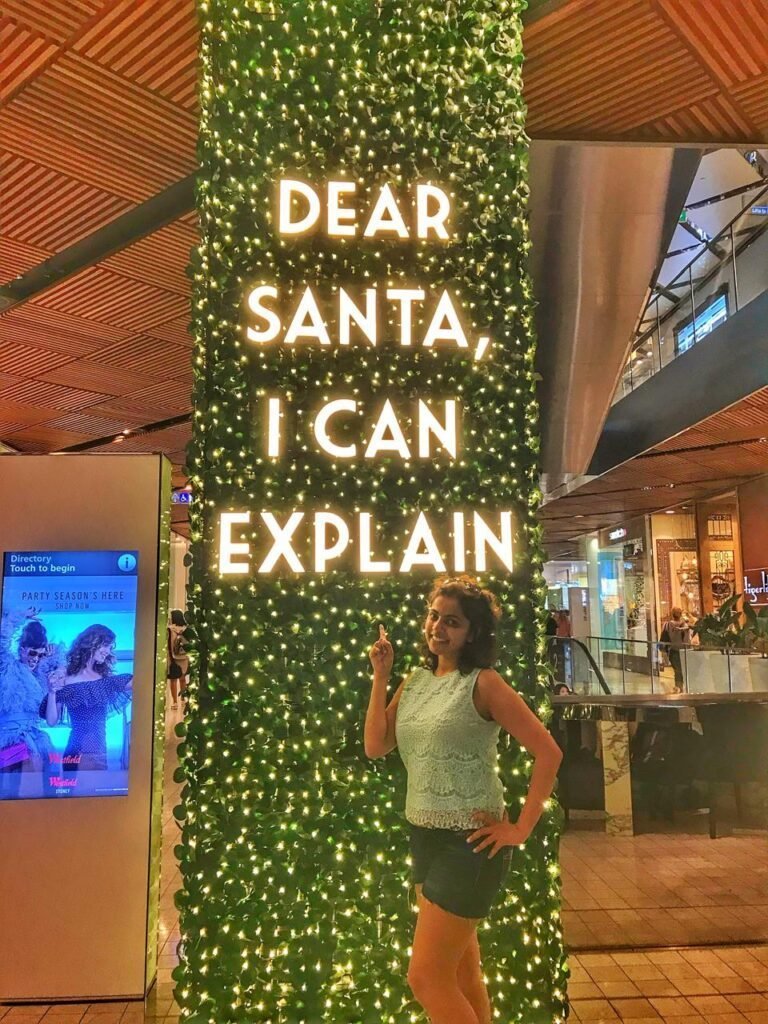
(598, 70)
(52, 331)
(98, 113)
(746, 419)
(688, 70)
(152, 44)
(17, 257)
(51, 210)
(24, 54)
(753, 100)
(159, 259)
(148, 355)
(99, 295)
(57, 20)
(686, 467)
(105, 351)
(89, 123)
(730, 36)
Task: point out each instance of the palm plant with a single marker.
(757, 628)
(722, 628)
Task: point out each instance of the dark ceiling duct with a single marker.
(602, 217)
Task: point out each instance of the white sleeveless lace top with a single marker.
(449, 752)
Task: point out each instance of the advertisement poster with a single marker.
(67, 645)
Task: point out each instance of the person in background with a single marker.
(24, 746)
(550, 632)
(563, 665)
(676, 634)
(563, 623)
(178, 660)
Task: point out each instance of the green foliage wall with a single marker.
(296, 905)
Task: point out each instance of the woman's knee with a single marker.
(418, 979)
(470, 971)
(423, 980)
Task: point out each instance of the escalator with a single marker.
(573, 666)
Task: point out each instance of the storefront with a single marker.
(753, 528)
(697, 557)
(621, 600)
(676, 580)
(719, 550)
(568, 590)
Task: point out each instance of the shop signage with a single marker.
(756, 587)
(617, 534)
(760, 211)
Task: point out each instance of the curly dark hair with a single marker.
(33, 635)
(482, 609)
(83, 647)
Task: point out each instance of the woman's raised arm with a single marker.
(381, 717)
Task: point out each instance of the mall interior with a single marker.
(648, 211)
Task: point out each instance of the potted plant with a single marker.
(723, 631)
(722, 628)
(756, 628)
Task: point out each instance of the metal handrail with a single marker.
(592, 663)
(707, 246)
(622, 640)
(620, 649)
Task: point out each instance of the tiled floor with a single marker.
(661, 890)
(639, 682)
(692, 986)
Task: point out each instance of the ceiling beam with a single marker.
(125, 230)
(124, 435)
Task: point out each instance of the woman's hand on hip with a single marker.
(381, 654)
(496, 834)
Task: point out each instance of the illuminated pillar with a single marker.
(364, 242)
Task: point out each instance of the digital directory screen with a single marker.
(67, 648)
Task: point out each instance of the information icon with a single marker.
(127, 563)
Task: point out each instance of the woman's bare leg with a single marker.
(174, 684)
(472, 983)
(470, 976)
(439, 945)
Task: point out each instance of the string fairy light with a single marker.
(295, 907)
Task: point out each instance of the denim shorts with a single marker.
(452, 875)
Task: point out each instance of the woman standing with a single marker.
(445, 720)
(24, 747)
(90, 693)
(178, 660)
(676, 634)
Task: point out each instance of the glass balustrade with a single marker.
(727, 274)
(642, 666)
